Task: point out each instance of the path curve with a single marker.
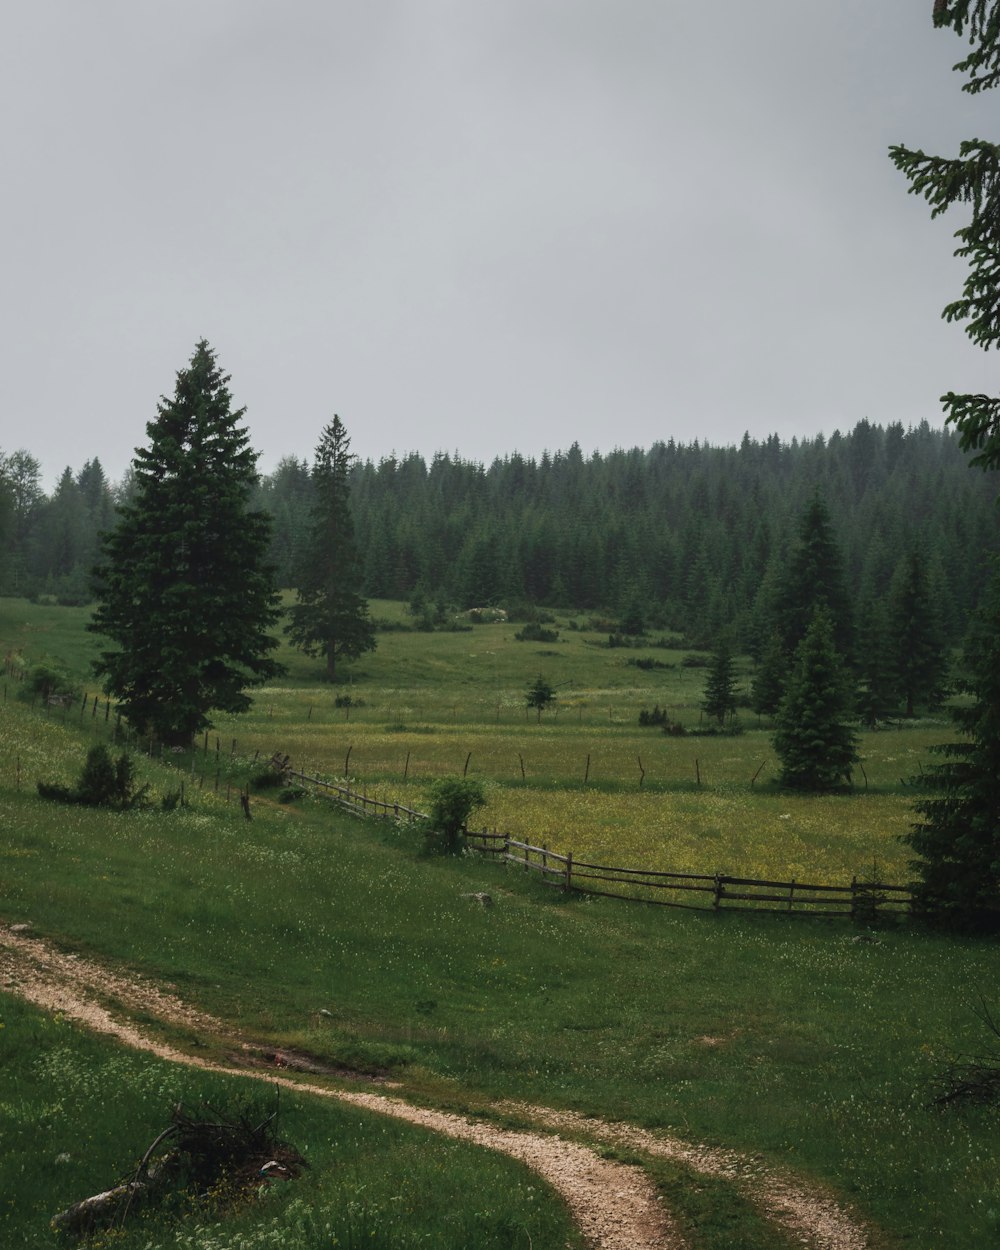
(614, 1204)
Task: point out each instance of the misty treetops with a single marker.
(700, 536)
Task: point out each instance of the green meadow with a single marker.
(810, 1043)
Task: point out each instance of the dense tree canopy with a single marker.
(185, 597)
(694, 539)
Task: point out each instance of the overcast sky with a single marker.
(475, 225)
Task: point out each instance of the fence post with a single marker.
(568, 885)
(717, 900)
(791, 891)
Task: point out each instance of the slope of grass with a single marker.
(77, 1114)
(790, 1039)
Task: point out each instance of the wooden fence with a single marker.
(861, 900)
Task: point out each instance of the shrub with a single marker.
(268, 777)
(452, 802)
(486, 616)
(50, 681)
(521, 612)
(533, 632)
(102, 783)
(658, 716)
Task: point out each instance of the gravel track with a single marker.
(615, 1205)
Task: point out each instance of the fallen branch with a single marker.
(204, 1153)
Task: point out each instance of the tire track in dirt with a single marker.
(614, 1204)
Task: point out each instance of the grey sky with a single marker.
(475, 225)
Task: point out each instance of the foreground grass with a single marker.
(77, 1114)
(788, 1039)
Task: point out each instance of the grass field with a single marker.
(789, 1039)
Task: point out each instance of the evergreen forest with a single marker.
(691, 538)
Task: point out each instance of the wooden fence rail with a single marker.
(861, 900)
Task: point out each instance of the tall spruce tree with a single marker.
(958, 840)
(814, 737)
(330, 617)
(184, 592)
(919, 655)
(719, 698)
(814, 577)
(769, 680)
(878, 694)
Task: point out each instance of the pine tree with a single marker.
(719, 699)
(814, 738)
(814, 577)
(184, 594)
(958, 840)
(768, 684)
(21, 473)
(330, 617)
(918, 650)
(878, 697)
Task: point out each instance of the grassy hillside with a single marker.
(793, 1039)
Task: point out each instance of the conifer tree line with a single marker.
(695, 539)
(692, 538)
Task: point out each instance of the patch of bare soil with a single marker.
(298, 1061)
(614, 1204)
